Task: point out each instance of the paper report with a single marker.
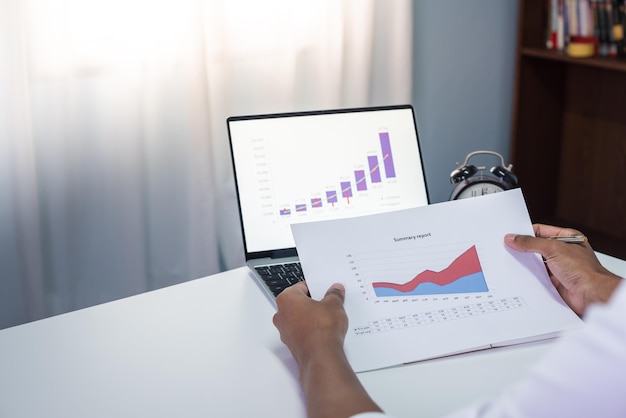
(434, 280)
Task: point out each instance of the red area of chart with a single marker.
(464, 265)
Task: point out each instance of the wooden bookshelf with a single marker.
(568, 144)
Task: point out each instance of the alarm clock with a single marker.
(472, 181)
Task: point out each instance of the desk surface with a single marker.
(207, 348)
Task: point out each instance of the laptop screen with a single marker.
(311, 166)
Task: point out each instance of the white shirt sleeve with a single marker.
(584, 375)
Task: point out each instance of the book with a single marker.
(610, 28)
(552, 29)
(619, 22)
(433, 281)
(582, 22)
(602, 28)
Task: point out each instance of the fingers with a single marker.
(299, 287)
(287, 297)
(293, 295)
(306, 325)
(336, 291)
(297, 290)
(547, 231)
(542, 243)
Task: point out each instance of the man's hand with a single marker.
(306, 325)
(574, 268)
(315, 331)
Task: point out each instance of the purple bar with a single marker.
(301, 208)
(346, 189)
(359, 176)
(331, 197)
(374, 168)
(390, 171)
(316, 202)
(285, 211)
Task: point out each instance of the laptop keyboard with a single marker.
(278, 277)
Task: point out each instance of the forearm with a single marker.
(330, 386)
(314, 331)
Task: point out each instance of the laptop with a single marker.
(314, 166)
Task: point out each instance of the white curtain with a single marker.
(115, 174)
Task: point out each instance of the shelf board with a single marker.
(614, 64)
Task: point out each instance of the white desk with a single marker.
(207, 348)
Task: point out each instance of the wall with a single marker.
(464, 57)
(462, 94)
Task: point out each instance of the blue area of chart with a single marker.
(467, 284)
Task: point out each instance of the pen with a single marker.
(572, 238)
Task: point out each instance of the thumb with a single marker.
(336, 292)
(525, 243)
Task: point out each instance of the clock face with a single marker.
(479, 189)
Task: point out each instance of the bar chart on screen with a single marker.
(356, 179)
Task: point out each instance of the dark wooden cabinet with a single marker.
(569, 136)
